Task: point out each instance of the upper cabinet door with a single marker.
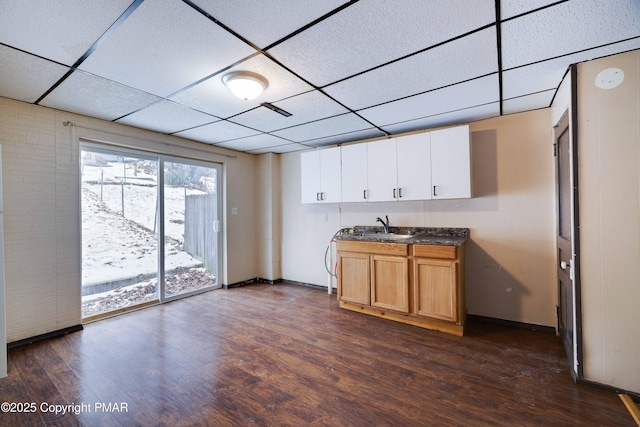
(423, 166)
(382, 171)
(450, 163)
(321, 176)
(414, 167)
(354, 173)
(310, 176)
(330, 175)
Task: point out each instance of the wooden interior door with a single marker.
(566, 208)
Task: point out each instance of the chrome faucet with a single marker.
(384, 224)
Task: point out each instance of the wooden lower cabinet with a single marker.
(434, 289)
(422, 285)
(390, 282)
(354, 269)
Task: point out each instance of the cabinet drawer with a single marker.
(435, 251)
(379, 248)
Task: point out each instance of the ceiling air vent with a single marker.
(276, 109)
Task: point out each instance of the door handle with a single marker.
(564, 265)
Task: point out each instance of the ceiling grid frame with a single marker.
(20, 36)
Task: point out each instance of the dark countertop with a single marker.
(419, 235)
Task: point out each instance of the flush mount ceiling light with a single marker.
(609, 78)
(245, 84)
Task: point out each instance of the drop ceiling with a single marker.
(345, 70)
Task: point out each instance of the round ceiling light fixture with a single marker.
(609, 78)
(245, 84)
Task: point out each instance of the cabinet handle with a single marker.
(364, 194)
(317, 197)
(321, 196)
(434, 190)
(394, 193)
(400, 192)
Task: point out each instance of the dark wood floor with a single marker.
(287, 355)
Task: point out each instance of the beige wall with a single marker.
(269, 214)
(609, 157)
(511, 256)
(42, 211)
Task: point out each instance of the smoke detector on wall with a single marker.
(609, 78)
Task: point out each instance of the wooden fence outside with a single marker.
(200, 238)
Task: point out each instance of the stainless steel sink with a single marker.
(386, 235)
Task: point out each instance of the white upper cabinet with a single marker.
(354, 173)
(330, 175)
(320, 175)
(451, 163)
(382, 171)
(422, 166)
(414, 167)
(310, 168)
(399, 169)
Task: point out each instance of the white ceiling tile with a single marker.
(338, 125)
(217, 132)
(510, 8)
(254, 143)
(534, 78)
(567, 28)
(59, 30)
(528, 102)
(304, 108)
(447, 119)
(464, 95)
(94, 96)
(459, 60)
(213, 97)
(547, 75)
(25, 77)
(167, 117)
(370, 33)
(346, 137)
(263, 23)
(156, 50)
(288, 148)
(431, 77)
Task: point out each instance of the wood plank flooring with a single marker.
(286, 355)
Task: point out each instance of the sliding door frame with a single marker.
(119, 150)
(219, 235)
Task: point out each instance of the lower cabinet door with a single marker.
(434, 289)
(390, 282)
(354, 278)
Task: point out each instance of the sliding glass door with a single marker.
(147, 237)
(119, 231)
(191, 227)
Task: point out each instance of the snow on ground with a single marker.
(115, 248)
(184, 280)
